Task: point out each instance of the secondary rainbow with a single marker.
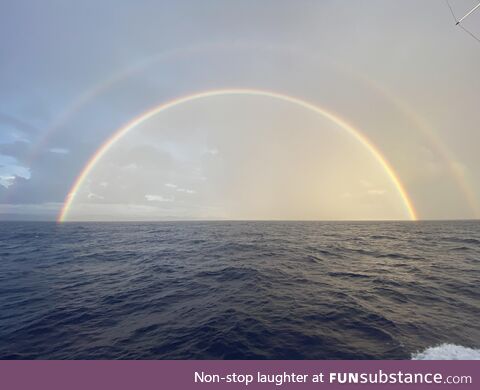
(118, 134)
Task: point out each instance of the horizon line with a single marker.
(53, 220)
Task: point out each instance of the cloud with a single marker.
(47, 179)
(19, 125)
(376, 192)
(179, 189)
(6, 180)
(365, 183)
(18, 150)
(212, 152)
(91, 195)
(59, 150)
(10, 171)
(158, 198)
(186, 190)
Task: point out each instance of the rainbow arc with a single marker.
(121, 132)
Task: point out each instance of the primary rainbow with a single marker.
(118, 134)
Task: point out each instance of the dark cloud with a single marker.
(8, 121)
(18, 150)
(51, 175)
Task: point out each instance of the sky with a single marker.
(399, 76)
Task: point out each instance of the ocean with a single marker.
(240, 290)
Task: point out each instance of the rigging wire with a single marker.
(458, 22)
(469, 13)
(451, 10)
(469, 33)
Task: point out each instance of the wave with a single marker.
(238, 290)
(447, 352)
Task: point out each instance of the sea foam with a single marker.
(447, 352)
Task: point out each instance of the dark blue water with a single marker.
(222, 290)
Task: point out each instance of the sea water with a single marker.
(246, 290)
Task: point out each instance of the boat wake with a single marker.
(447, 352)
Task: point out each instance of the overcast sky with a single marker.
(72, 72)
